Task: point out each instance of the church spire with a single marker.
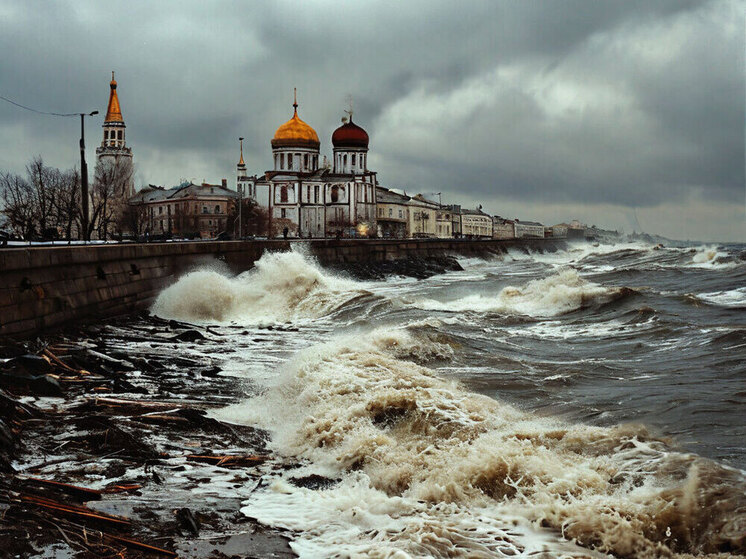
(113, 112)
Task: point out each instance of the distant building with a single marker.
(559, 231)
(476, 224)
(113, 150)
(455, 210)
(573, 230)
(443, 223)
(392, 214)
(531, 229)
(422, 217)
(502, 228)
(187, 210)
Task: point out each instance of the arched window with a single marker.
(284, 194)
(335, 194)
(282, 161)
(353, 160)
(344, 160)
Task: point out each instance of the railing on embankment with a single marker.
(45, 287)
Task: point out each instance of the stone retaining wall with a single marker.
(45, 287)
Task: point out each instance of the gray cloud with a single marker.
(527, 105)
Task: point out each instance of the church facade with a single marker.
(307, 197)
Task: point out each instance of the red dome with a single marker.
(350, 135)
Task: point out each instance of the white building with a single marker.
(307, 200)
(476, 224)
(531, 229)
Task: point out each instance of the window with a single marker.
(282, 213)
(282, 161)
(400, 214)
(284, 195)
(305, 161)
(275, 161)
(119, 134)
(204, 209)
(391, 212)
(335, 194)
(344, 160)
(353, 160)
(290, 161)
(160, 210)
(217, 208)
(316, 194)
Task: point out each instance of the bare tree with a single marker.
(66, 201)
(133, 219)
(109, 195)
(18, 207)
(254, 218)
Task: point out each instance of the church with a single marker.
(306, 197)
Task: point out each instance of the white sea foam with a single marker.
(427, 468)
(711, 257)
(557, 294)
(283, 286)
(733, 298)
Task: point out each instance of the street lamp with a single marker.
(84, 177)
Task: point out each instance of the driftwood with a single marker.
(229, 460)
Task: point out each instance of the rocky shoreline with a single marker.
(108, 452)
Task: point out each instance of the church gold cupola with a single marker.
(295, 146)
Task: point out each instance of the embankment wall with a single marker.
(46, 287)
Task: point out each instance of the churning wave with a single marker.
(554, 295)
(427, 468)
(283, 286)
(732, 298)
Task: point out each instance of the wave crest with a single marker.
(282, 286)
(557, 294)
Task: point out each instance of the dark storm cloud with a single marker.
(632, 103)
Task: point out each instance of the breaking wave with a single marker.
(554, 295)
(733, 298)
(282, 286)
(420, 466)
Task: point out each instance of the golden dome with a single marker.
(295, 133)
(113, 112)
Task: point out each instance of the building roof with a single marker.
(153, 193)
(519, 222)
(350, 135)
(386, 196)
(474, 212)
(296, 133)
(113, 112)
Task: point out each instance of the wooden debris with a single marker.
(80, 493)
(80, 513)
(248, 460)
(122, 488)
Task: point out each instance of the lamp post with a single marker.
(84, 177)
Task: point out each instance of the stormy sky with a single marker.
(627, 114)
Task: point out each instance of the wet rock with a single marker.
(29, 365)
(187, 521)
(188, 336)
(314, 482)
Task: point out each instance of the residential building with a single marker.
(443, 223)
(392, 214)
(455, 211)
(502, 228)
(188, 210)
(475, 224)
(422, 217)
(525, 229)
